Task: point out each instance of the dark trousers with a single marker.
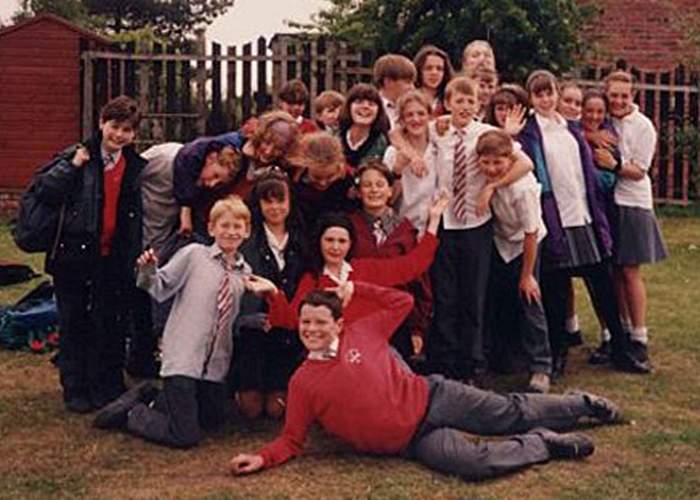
(459, 278)
(92, 316)
(509, 313)
(598, 280)
(454, 407)
(184, 408)
(144, 338)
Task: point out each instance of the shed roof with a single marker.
(58, 20)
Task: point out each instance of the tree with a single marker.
(525, 34)
(170, 19)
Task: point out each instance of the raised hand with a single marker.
(344, 292)
(81, 157)
(259, 285)
(515, 120)
(438, 206)
(147, 258)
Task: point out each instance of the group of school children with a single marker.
(480, 200)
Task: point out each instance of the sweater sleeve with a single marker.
(389, 308)
(163, 283)
(402, 269)
(283, 314)
(298, 419)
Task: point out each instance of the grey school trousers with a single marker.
(454, 407)
(183, 409)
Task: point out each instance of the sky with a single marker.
(244, 22)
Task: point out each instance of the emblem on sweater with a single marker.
(354, 356)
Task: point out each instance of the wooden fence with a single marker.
(193, 92)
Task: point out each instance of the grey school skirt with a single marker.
(582, 248)
(638, 239)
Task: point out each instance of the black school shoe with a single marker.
(78, 404)
(574, 339)
(601, 354)
(571, 446)
(628, 362)
(114, 415)
(604, 410)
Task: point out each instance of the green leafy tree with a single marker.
(525, 34)
(172, 20)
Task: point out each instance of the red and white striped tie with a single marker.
(459, 179)
(224, 299)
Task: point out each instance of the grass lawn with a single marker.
(47, 453)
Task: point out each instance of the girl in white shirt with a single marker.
(637, 235)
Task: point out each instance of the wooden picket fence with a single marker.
(192, 92)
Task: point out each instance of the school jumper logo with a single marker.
(354, 356)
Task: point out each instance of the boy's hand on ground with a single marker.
(81, 157)
(147, 258)
(259, 285)
(530, 290)
(245, 463)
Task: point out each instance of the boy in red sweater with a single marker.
(399, 412)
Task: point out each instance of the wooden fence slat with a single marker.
(330, 49)
(201, 84)
(262, 97)
(313, 78)
(88, 103)
(173, 126)
(231, 88)
(246, 97)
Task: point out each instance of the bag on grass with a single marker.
(32, 322)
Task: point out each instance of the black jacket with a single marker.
(82, 189)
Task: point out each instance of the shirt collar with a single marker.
(215, 252)
(326, 354)
(109, 160)
(273, 241)
(345, 270)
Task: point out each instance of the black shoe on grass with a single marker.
(570, 446)
(114, 415)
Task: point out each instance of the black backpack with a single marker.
(39, 224)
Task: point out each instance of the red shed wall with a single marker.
(39, 98)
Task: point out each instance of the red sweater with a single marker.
(110, 205)
(383, 416)
(399, 270)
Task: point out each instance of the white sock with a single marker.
(640, 334)
(605, 335)
(572, 324)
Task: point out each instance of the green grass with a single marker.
(46, 453)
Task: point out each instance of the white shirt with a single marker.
(276, 246)
(355, 145)
(391, 111)
(476, 180)
(563, 157)
(516, 211)
(110, 160)
(416, 192)
(326, 354)
(345, 270)
(637, 143)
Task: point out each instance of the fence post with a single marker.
(231, 88)
(201, 79)
(277, 54)
(330, 63)
(88, 102)
(262, 97)
(144, 88)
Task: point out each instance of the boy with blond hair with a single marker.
(207, 283)
(460, 272)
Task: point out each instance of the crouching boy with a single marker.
(514, 295)
(400, 413)
(207, 283)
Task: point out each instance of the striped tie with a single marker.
(224, 299)
(459, 179)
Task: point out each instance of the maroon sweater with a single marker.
(383, 416)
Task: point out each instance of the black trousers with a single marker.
(459, 277)
(92, 316)
(598, 278)
(511, 317)
(183, 409)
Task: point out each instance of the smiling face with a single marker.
(544, 102)
(570, 103)
(363, 112)
(415, 118)
(433, 71)
(275, 210)
(494, 166)
(229, 232)
(317, 327)
(593, 113)
(214, 173)
(620, 98)
(375, 191)
(335, 245)
(116, 135)
(463, 107)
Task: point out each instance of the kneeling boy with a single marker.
(207, 283)
(399, 412)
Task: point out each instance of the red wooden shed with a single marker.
(40, 93)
